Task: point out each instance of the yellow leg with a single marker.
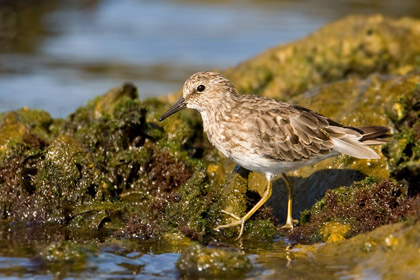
(241, 221)
(289, 221)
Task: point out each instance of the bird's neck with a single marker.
(216, 115)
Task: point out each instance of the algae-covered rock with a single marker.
(65, 257)
(63, 179)
(20, 149)
(12, 129)
(347, 211)
(112, 168)
(198, 261)
(235, 197)
(104, 169)
(65, 251)
(355, 46)
(403, 151)
(389, 252)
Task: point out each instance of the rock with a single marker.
(63, 181)
(348, 211)
(355, 46)
(403, 152)
(111, 168)
(11, 129)
(390, 251)
(198, 261)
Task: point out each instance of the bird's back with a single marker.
(263, 134)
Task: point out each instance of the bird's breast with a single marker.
(228, 135)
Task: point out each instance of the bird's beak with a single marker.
(178, 106)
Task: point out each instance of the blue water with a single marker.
(86, 47)
(104, 266)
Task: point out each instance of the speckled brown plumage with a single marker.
(266, 135)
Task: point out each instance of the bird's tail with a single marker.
(353, 141)
(374, 135)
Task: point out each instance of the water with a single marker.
(270, 261)
(56, 55)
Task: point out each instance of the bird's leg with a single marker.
(289, 221)
(241, 221)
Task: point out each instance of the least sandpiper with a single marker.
(269, 136)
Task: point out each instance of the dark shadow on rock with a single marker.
(240, 171)
(309, 190)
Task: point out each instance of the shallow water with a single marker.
(270, 260)
(59, 54)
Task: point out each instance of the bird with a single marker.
(269, 136)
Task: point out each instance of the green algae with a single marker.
(361, 207)
(233, 196)
(389, 252)
(206, 262)
(355, 46)
(94, 172)
(12, 130)
(65, 251)
(65, 180)
(403, 151)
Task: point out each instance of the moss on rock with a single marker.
(361, 207)
(355, 46)
(389, 252)
(198, 261)
(403, 152)
(112, 168)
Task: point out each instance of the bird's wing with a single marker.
(292, 133)
(295, 133)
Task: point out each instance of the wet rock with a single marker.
(348, 211)
(65, 257)
(112, 168)
(198, 261)
(64, 251)
(19, 152)
(34, 127)
(194, 211)
(388, 252)
(308, 190)
(102, 170)
(403, 152)
(65, 179)
(333, 231)
(40, 123)
(12, 129)
(235, 197)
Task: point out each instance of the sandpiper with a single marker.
(269, 136)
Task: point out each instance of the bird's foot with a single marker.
(290, 224)
(239, 221)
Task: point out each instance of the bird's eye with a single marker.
(201, 88)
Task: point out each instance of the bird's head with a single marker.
(203, 91)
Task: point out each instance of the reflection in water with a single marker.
(270, 260)
(56, 55)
